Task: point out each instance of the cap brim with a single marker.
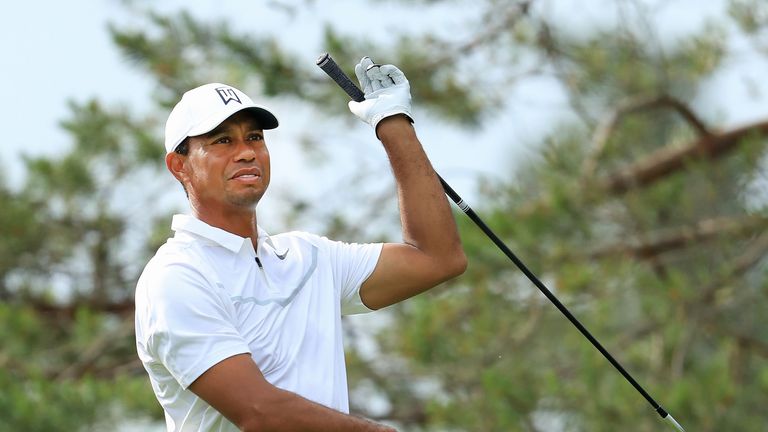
(266, 120)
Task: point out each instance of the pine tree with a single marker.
(642, 213)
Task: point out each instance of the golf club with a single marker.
(329, 66)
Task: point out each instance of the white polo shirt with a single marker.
(204, 297)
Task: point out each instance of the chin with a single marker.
(245, 199)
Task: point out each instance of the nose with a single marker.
(245, 151)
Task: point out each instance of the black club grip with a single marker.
(333, 70)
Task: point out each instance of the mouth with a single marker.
(246, 175)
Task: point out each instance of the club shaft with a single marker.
(543, 288)
(326, 63)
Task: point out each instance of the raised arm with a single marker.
(431, 250)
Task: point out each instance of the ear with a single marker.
(175, 164)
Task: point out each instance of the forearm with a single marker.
(236, 388)
(286, 411)
(425, 214)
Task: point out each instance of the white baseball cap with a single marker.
(203, 108)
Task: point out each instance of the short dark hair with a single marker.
(183, 147)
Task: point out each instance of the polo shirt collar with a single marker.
(225, 239)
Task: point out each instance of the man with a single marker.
(241, 330)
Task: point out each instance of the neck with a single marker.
(239, 221)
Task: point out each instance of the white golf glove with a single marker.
(387, 92)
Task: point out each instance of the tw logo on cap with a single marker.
(227, 94)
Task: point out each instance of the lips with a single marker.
(246, 174)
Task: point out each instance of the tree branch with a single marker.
(663, 241)
(633, 105)
(754, 253)
(749, 341)
(670, 159)
(68, 311)
(490, 32)
(656, 166)
(95, 350)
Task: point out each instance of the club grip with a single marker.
(333, 70)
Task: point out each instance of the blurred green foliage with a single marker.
(635, 211)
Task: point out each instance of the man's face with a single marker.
(228, 167)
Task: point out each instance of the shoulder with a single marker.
(298, 236)
(313, 239)
(304, 241)
(334, 250)
(173, 272)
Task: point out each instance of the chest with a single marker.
(288, 311)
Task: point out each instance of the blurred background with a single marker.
(617, 146)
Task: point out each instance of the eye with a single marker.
(222, 140)
(255, 137)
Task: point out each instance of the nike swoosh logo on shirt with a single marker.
(283, 301)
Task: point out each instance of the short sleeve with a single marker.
(352, 264)
(186, 322)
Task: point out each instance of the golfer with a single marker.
(241, 330)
